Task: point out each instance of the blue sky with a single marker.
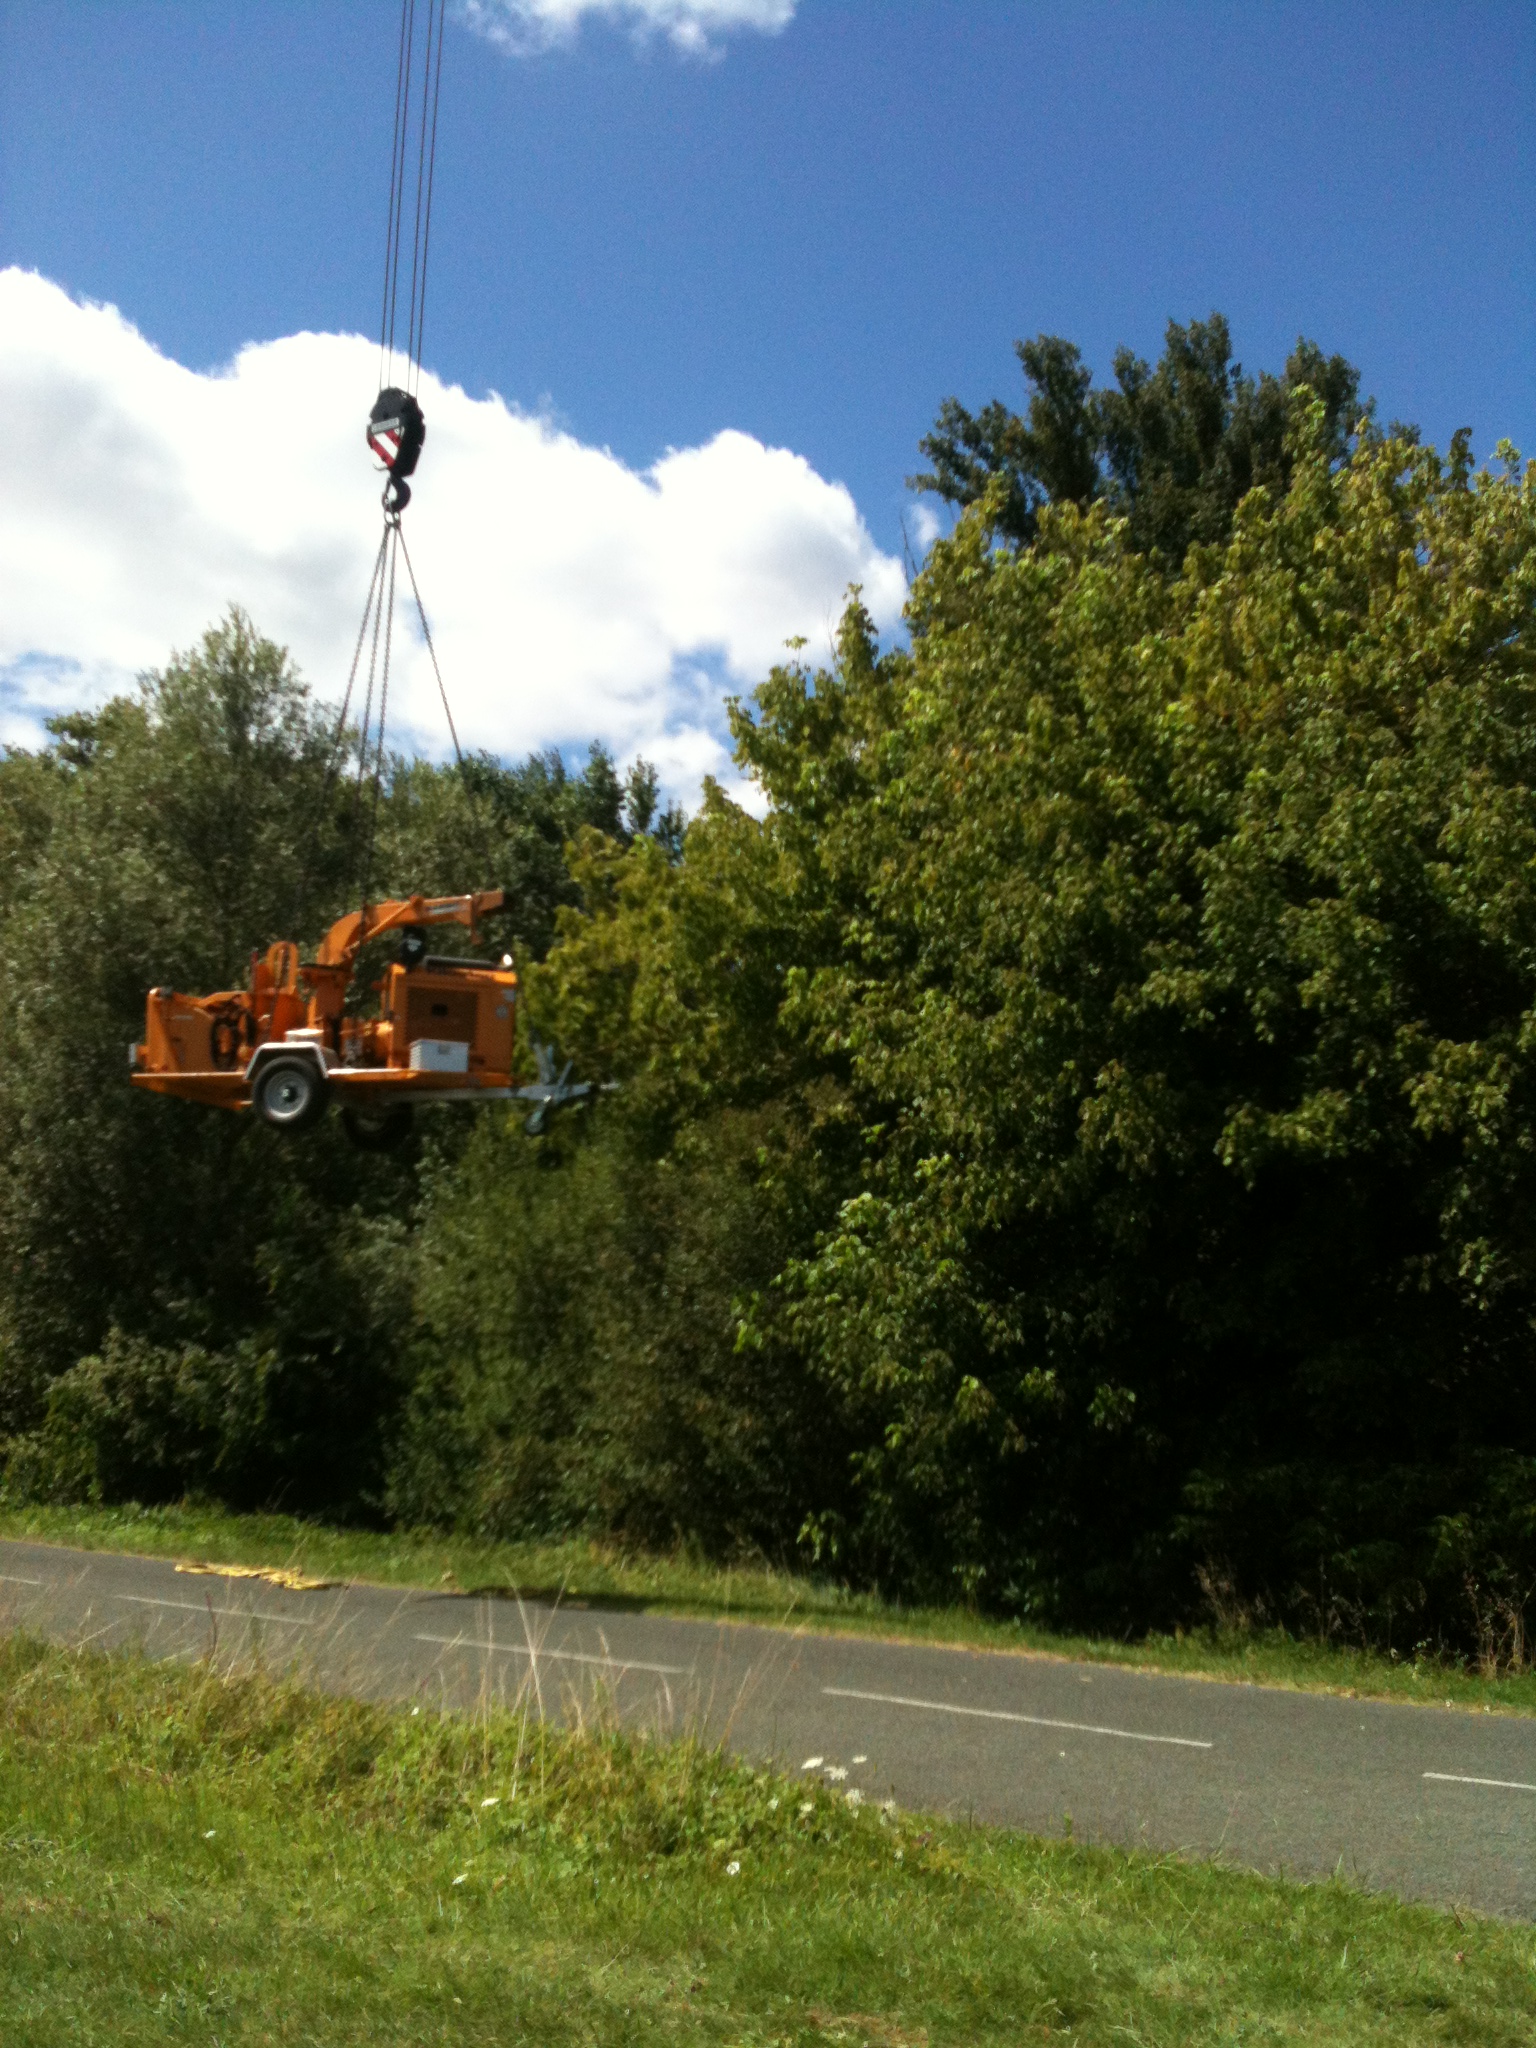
(815, 235)
(820, 234)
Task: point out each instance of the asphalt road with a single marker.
(1427, 1803)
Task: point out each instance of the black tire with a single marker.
(290, 1095)
(378, 1130)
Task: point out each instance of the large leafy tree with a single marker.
(1188, 990)
(1152, 962)
(158, 840)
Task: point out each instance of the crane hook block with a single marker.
(396, 431)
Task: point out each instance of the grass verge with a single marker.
(185, 1855)
(603, 1575)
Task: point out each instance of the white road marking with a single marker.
(1498, 1784)
(891, 1699)
(564, 1656)
(240, 1613)
(10, 1579)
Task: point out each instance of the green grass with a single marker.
(581, 1571)
(186, 1856)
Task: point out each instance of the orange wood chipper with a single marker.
(286, 1046)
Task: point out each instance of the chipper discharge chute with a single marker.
(286, 1046)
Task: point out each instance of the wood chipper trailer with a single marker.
(286, 1046)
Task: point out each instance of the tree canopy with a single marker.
(1172, 450)
(1153, 959)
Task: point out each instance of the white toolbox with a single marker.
(439, 1056)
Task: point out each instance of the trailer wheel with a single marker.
(290, 1096)
(378, 1130)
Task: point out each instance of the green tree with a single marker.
(1171, 450)
(490, 823)
(1187, 989)
(160, 839)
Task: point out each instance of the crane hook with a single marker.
(396, 431)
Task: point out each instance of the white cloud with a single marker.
(527, 26)
(926, 526)
(571, 597)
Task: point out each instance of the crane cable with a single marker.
(396, 429)
(426, 166)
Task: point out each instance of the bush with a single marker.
(576, 1347)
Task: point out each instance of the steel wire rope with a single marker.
(479, 811)
(364, 729)
(426, 169)
(426, 634)
(388, 607)
(378, 610)
(426, 231)
(396, 171)
(426, 176)
(338, 734)
(334, 750)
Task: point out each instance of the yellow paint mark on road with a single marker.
(273, 1574)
